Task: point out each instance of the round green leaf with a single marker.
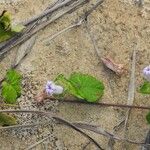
(9, 93)
(87, 86)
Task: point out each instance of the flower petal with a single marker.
(146, 73)
(58, 89)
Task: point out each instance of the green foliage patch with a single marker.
(11, 87)
(82, 86)
(7, 30)
(7, 120)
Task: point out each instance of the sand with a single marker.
(116, 27)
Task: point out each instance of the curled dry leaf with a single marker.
(117, 68)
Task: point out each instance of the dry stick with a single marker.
(48, 8)
(49, 11)
(76, 24)
(60, 120)
(62, 31)
(131, 90)
(26, 35)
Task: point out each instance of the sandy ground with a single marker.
(116, 26)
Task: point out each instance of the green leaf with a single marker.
(5, 20)
(9, 93)
(87, 86)
(5, 35)
(6, 29)
(67, 85)
(148, 118)
(17, 28)
(11, 87)
(7, 120)
(145, 88)
(14, 78)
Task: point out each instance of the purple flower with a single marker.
(51, 88)
(146, 73)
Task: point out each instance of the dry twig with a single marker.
(76, 24)
(33, 27)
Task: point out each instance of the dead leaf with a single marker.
(115, 67)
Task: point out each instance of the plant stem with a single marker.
(77, 101)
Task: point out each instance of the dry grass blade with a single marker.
(131, 89)
(147, 141)
(111, 144)
(88, 127)
(23, 50)
(101, 131)
(93, 41)
(21, 126)
(80, 131)
(58, 119)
